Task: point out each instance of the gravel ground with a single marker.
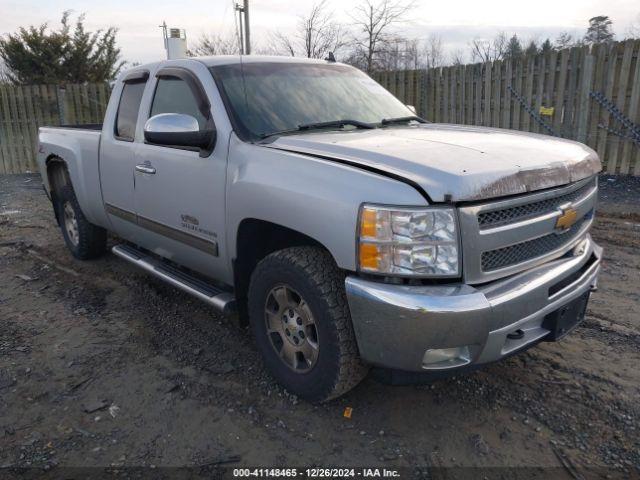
(619, 193)
(103, 366)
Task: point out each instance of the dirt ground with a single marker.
(101, 365)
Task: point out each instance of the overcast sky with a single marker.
(457, 21)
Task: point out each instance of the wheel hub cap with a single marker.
(71, 223)
(291, 328)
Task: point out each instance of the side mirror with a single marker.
(412, 108)
(179, 130)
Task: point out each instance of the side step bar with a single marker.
(222, 301)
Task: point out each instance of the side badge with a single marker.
(188, 219)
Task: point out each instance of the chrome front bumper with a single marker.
(406, 327)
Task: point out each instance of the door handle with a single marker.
(145, 168)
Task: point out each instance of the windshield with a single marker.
(265, 98)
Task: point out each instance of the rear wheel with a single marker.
(300, 319)
(84, 239)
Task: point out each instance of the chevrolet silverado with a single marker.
(305, 199)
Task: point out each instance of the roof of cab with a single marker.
(213, 61)
(216, 60)
(232, 59)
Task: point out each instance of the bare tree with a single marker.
(483, 50)
(390, 54)
(564, 40)
(412, 54)
(458, 57)
(374, 19)
(398, 53)
(320, 34)
(227, 43)
(284, 44)
(356, 57)
(634, 29)
(215, 44)
(433, 52)
(316, 35)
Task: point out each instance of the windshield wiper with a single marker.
(410, 118)
(319, 126)
(336, 124)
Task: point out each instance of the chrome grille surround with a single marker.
(528, 240)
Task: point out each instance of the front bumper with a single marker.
(396, 325)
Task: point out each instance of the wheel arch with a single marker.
(57, 177)
(271, 238)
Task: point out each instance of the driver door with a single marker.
(179, 193)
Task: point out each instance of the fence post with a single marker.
(13, 119)
(628, 162)
(477, 80)
(583, 102)
(6, 146)
(620, 100)
(62, 108)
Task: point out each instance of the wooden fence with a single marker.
(25, 108)
(559, 83)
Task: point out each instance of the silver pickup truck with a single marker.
(305, 199)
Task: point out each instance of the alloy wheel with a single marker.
(291, 328)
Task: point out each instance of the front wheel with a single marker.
(84, 239)
(300, 319)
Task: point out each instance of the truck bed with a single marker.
(78, 146)
(80, 126)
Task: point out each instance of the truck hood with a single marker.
(453, 162)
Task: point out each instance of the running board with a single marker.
(222, 301)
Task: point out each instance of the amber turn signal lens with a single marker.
(369, 256)
(369, 221)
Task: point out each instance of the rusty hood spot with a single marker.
(529, 180)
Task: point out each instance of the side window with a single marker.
(128, 110)
(173, 95)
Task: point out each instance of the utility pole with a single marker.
(244, 30)
(247, 39)
(165, 36)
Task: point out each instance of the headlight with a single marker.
(421, 242)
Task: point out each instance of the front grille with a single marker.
(530, 249)
(505, 216)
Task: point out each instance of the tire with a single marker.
(307, 282)
(85, 240)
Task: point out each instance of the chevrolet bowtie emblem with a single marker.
(568, 218)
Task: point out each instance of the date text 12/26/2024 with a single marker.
(315, 473)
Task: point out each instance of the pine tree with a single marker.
(514, 48)
(38, 55)
(599, 30)
(532, 48)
